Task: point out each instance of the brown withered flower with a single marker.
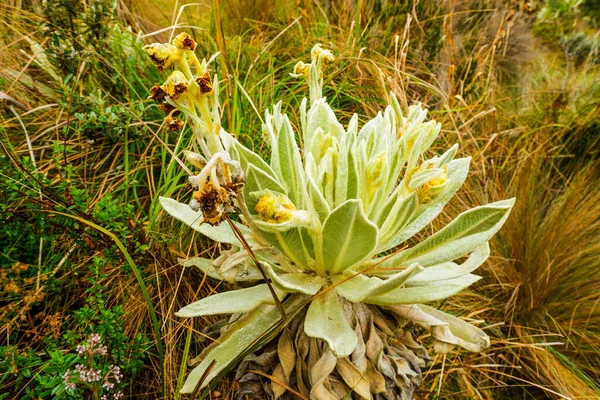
(173, 124)
(166, 108)
(205, 83)
(184, 41)
(217, 186)
(157, 93)
(161, 54)
(175, 85)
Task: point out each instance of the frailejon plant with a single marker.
(314, 252)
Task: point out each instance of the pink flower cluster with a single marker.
(93, 346)
(89, 374)
(69, 383)
(114, 374)
(115, 396)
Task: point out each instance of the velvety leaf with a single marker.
(290, 169)
(450, 270)
(433, 291)
(296, 282)
(427, 132)
(293, 243)
(447, 156)
(205, 265)
(247, 157)
(221, 233)
(241, 336)
(353, 183)
(469, 336)
(402, 212)
(275, 227)
(445, 328)
(325, 320)
(348, 237)
(360, 287)
(234, 301)
(316, 197)
(322, 116)
(461, 236)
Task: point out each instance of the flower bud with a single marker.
(376, 171)
(195, 159)
(432, 188)
(318, 53)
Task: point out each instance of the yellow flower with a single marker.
(431, 189)
(274, 208)
(301, 70)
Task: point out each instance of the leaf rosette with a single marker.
(323, 220)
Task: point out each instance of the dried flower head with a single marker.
(161, 54)
(173, 124)
(157, 93)
(217, 186)
(184, 41)
(204, 83)
(176, 85)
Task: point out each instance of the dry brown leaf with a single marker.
(354, 378)
(376, 380)
(359, 358)
(286, 353)
(278, 390)
(338, 387)
(374, 344)
(319, 374)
